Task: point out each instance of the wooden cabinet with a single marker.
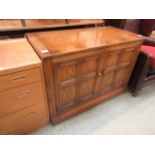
(82, 79)
(84, 67)
(23, 103)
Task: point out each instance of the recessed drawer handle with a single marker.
(29, 114)
(18, 79)
(23, 94)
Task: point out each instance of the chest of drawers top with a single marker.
(17, 55)
(56, 43)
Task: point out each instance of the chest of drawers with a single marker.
(84, 67)
(23, 103)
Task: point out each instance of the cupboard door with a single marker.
(103, 81)
(74, 81)
(125, 62)
(115, 69)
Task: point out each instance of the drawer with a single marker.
(30, 127)
(19, 78)
(21, 97)
(22, 118)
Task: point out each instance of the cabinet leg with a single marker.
(134, 93)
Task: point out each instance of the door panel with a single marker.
(125, 62)
(88, 66)
(125, 57)
(68, 71)
(112, 60)
(86, 89)
(104, 79)
(104, 82)
(119, 77)
(114, 69)
(75, 93)
(74, 81)
(67, 95)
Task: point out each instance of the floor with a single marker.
(123, 114)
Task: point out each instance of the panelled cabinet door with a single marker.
(74, 81)
(123, 68)
(114, 69)
(104, 81)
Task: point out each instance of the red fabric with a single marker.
(151, 51)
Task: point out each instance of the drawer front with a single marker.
(22, 118)
(30, 127)
(19, 78)
(21, 97)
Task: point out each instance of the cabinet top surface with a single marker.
(42, 22)
(28, 24)
(16, 55)
(57, 42)
(13, 23)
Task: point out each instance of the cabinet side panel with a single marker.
(50, 87)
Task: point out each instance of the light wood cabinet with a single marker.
(7, 25)
(84, 67)
(23, 103)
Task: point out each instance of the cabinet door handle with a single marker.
(99, 73)
(18, 79)
(29, 114)
(23, 94)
